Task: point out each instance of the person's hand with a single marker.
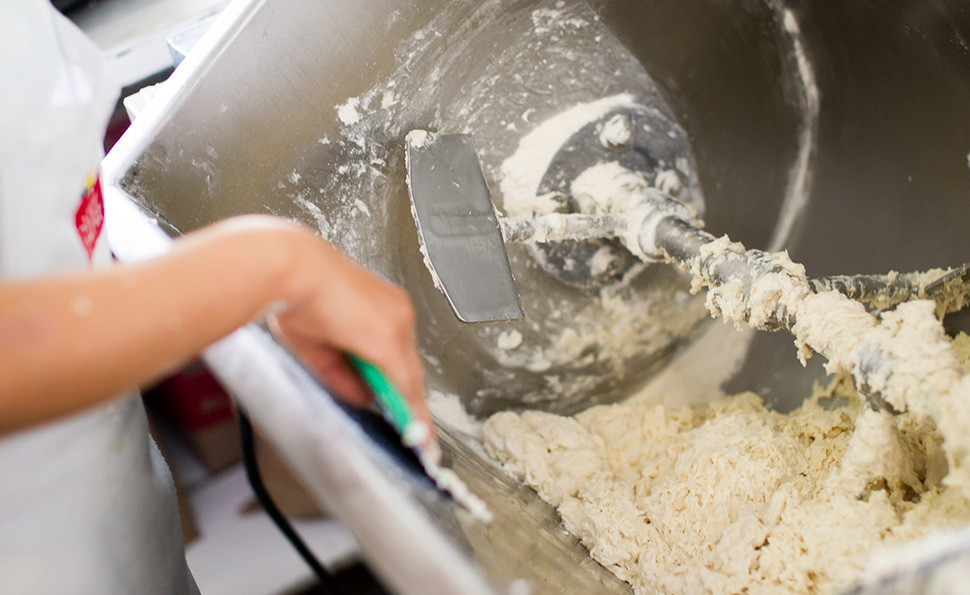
(138, 322)
(335, 307)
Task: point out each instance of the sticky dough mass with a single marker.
(730, 497)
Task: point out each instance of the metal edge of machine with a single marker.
(333, 456)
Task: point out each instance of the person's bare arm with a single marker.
(68, 342)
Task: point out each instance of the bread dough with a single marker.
(902, 355)
(730, 497)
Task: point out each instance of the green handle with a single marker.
(391, 402)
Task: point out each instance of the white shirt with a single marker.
(87, 504)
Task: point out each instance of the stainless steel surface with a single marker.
(258, 137)
(458, 229)
(890, 179)
(868, 172)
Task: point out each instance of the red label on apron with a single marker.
(89, 218)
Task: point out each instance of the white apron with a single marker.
(87, 504)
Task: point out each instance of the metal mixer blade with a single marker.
(465, 252)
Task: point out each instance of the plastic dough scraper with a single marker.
(414, 433)
(458, 230)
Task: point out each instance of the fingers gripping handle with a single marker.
(395, 408)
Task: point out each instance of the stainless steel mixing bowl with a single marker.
(838, 130)
(264, 131)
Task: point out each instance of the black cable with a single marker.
(266, 501)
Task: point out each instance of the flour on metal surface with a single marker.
(522, 172)
(348, 112)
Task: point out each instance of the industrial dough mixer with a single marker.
(800, 136)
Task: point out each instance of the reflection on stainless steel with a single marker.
(300, 107)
